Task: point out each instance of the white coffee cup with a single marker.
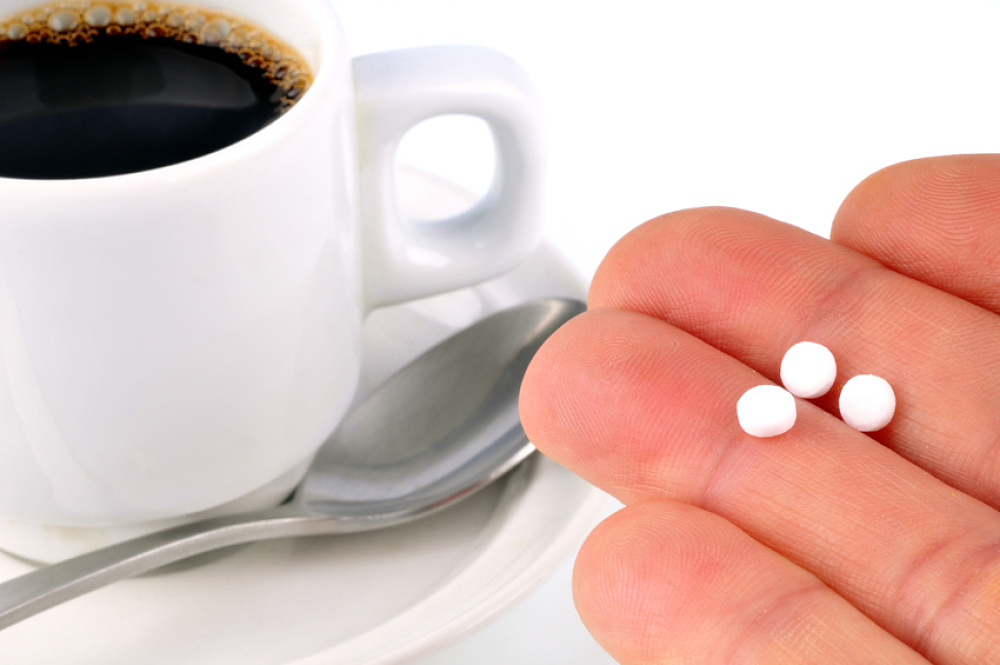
(182, 339)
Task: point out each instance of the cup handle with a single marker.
(404, 259)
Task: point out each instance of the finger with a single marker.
(662, 582)
(753, 287)
(647, 411)
(936, 220)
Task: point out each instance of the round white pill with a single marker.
(808, 370)
(766, 411)
(867, 403)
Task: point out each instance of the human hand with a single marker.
(822, 545)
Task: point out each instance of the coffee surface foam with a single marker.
(82, 22)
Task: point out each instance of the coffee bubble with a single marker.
(16, 31)
(125, 16)
(215, 31)
(198, 80)
(64, 21)
(194, 22)
(98, 16)
(82, 22)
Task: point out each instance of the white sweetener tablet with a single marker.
(867, 403)
(808, 370)
(766, 411)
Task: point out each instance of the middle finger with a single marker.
(752, 287)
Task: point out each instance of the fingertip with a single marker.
(609, 287)
(880, 197)
(932, 219)
(637, 270)
(552, 390)
(656, 580)
(623, 579)
(931, 185)
(540, 383)
(662, 582)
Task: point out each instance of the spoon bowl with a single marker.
(441, 428)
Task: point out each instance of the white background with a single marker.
(779, 107)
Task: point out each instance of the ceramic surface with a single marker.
(198, 326)
(372, 599)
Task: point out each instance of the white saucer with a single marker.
(377, 598)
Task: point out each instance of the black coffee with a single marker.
(104, 89)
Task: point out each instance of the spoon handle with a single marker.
(46, 587)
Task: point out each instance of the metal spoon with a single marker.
(441, 428)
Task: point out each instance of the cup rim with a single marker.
(331, 44)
